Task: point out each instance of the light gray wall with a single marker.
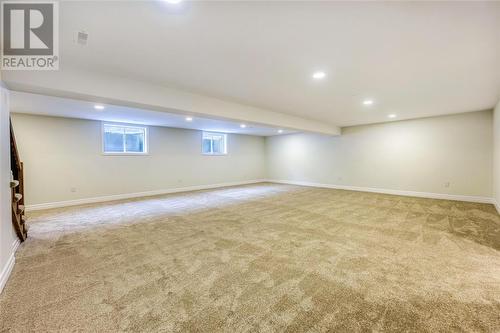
(61, 153)
(415, 155)
(496, 155)
(7, 234)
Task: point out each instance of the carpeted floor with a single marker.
(259, 258)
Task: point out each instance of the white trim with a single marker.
(136, 195)
(300, 183)
(4, 276)
(497, 205)
(430, 195)
(208, 133)
(124, 152)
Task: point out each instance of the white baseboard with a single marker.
(4, 276)
(497, 205)
(301, 183)
(135, 195)
(455, 197)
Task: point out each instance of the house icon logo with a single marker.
(30, 35)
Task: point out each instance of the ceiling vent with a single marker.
(81, 38)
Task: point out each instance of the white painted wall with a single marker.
(496, 155)
(414, 155)
(8, 238)
(62, 153)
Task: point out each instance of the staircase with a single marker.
(17, 189)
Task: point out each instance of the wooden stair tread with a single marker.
(25, 225)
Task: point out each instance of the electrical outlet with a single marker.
(73, 189)
(447, 184)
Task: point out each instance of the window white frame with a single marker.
(207, 133)
(124, 152)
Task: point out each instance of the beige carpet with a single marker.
(259, 258)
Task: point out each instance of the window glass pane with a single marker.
(113, 139)
(217, 140)
(134, 140)
(214, 143)
(207, 146)
(124, 139)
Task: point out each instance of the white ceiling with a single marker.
(414, 59)
(21, 102)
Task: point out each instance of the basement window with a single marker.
(214, 143)
(124, 139)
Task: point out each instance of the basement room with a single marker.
(250, 166)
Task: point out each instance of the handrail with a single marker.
(17, 195)
(14, 152)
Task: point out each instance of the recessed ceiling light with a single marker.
(99, 107)
(280, 131)
(392, 115)
(243, 125)
(189, 118)
(368, 102)
(319, 75)
(174, 2)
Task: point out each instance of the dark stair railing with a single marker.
(17, 189)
